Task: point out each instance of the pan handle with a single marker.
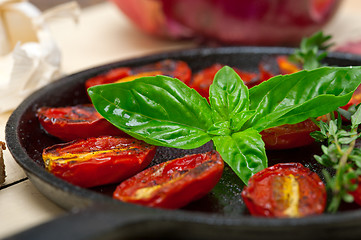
(121, 222)
(96, 222)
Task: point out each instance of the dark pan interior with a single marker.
(222, 208)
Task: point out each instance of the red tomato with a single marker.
(109, 77)
(98, 161)
(203, 79)
(271, 67)
(355, 99)
(285, 66)
(285, 190)
(173, 184)
(172, 68)
(357, 193)
(264, 73)
(289, 135)
(286, 136)
(74, 122)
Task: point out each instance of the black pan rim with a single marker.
(32, 168)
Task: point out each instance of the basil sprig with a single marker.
(312, 51)
(164, 111)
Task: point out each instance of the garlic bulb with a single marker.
(29, 57)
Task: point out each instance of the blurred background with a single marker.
(139, 27)
(224, 22)
(46, 4)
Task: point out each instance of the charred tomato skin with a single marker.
(98, 161)
(285, 190)
(172, 68)
(173, 184)
(75, 122)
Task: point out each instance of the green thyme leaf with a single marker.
(341, 155)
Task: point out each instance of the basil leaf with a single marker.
(289, 99)
(159, 110)
(238, 120)
(220, 128)
(243, 151)
(228, 95)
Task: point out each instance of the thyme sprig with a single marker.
(341, 155)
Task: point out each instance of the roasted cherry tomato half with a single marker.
(289, 135)
(98, 161)
(357, 193)
(286, 136)
(355, 99)
(264, 73)
(173, 184)
(286, 66)
(203, 79)
(271, 67)
(285, 190)
(171, 68)
(75, 122)
(109, 77)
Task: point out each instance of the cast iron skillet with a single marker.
(221, 214)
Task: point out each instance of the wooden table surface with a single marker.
(104, 35)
